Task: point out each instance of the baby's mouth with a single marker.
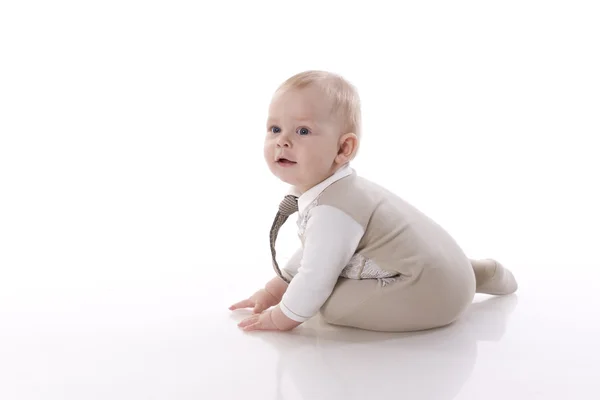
(285, 161)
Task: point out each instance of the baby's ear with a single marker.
(348, 147)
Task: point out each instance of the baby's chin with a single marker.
(289, 177)
(289, 180)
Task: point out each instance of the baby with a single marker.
(368, 259)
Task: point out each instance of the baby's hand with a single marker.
(260, 300)
(259, 322)
(270, 320)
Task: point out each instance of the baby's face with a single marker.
(302, 138)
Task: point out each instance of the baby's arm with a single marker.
(331, 239)
(274, 290)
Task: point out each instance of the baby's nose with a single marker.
(283, 141)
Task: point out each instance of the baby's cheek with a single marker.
(267, 151)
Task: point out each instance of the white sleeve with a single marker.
(330, 241)
(293, 265)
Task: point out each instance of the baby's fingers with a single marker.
(249, 321)
(259, 307)
(242, 304)
(254, 327)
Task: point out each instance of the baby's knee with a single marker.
(331, 311)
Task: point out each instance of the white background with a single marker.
(135, 203)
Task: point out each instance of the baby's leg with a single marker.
(429, 299)
(493, 278)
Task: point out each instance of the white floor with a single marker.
(176, 339)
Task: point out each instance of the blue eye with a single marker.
(275, 129)
(303, 131)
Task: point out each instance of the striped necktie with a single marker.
(287, 207)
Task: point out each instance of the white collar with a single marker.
(305, 199)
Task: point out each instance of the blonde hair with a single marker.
(342, 94)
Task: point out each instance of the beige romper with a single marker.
(407, 273)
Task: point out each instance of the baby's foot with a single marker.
(493, 278)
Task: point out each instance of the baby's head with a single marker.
(313, 128)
